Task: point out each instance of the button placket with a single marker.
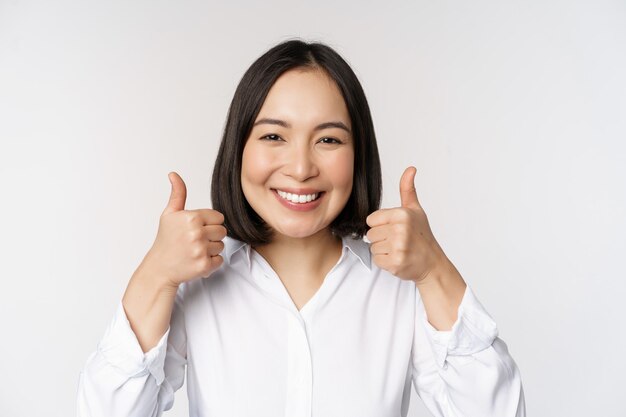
(299, 369)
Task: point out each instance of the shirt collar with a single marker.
(358, 247)
(231, 246)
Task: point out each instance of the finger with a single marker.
(209, 216)
(383, 261)
(381, 248)
(214, 232)
(216, 262)
(215, 248)
(379, 217)
(379, 233)
(408, 194)
(178, 194)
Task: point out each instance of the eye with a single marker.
(336, 141)
(271, 137)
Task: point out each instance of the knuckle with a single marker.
(197, 252)
(205, 264)
(404, 214)
(191, 217)
(194, 235)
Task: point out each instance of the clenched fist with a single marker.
(189, 242)
(402, 240)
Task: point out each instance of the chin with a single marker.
(297, 233)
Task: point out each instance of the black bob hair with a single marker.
(241, 221)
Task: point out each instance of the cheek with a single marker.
(256, 165)
(342, 168)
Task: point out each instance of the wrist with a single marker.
(441, 271)
(146, 276)
(441, 292)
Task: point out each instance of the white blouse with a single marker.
(352, 350)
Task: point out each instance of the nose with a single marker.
(301, 164)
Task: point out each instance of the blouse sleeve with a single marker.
(466, 371)
(120, 380)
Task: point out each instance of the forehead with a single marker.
(305, 97)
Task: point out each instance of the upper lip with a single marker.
(299, 191)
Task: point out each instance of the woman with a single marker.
(273, 301)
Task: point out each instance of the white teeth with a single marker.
(295, 198)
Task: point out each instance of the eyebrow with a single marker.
(325, 125)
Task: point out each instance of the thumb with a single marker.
(408, 195)
(178, 194)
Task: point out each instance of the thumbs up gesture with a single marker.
(188, 242)
(401, 239)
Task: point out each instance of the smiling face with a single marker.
(300, 149)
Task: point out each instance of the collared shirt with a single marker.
(354, 349)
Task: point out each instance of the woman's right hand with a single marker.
(188, 243)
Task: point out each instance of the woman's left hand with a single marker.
(401, 239)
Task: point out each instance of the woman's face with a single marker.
(301, 144)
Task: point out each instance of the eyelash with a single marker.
(337, 141)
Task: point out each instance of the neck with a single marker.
(314, 255)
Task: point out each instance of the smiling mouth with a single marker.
(299, 198)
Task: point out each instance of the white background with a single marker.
(513, 113)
